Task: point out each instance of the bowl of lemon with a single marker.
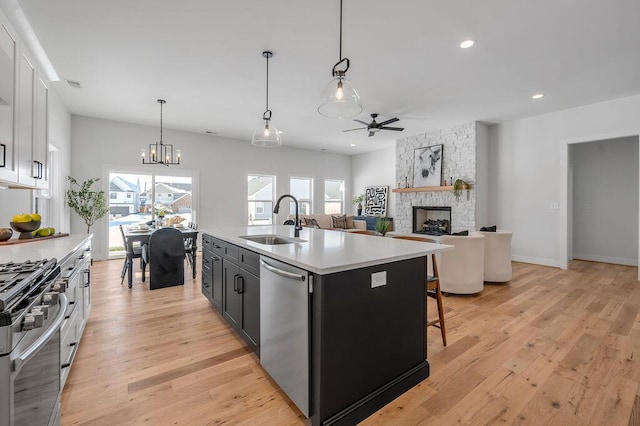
(25, 224)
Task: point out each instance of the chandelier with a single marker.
(159, 152)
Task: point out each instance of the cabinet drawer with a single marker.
(207, 258)
(249, 261)
(206, 241)
(229, 251)
(217, 246)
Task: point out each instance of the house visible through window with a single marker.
(260, 198)
(301, 188)
(333, 196)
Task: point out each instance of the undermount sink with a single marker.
(271, 239)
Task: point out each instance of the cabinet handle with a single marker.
(235, 282)
(65, 365)
(88, 275)
(241, 284)
(3, 148)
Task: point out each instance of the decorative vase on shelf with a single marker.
(359, 209)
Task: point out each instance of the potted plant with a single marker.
(358, 199)
(458, 186)
(382, 225)
(90, 205)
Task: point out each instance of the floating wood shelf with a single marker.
(427, 189)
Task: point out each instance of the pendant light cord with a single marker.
(340, 59)
(161, 102)
(267, 106)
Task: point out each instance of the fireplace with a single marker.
(432, 220)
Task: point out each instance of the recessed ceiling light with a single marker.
(74, 84)
(280, 131)
(467, 44)
(353, 144)
(538, 96)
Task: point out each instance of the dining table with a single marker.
(134, 234)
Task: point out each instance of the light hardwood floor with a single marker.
(550, 347)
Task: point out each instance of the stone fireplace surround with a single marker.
(465, 156)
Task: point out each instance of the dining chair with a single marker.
(130, 254)
(165, 254)
(432, 286)
(188, 248)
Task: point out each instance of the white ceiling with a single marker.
(204, 58)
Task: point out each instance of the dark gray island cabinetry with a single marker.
(231, 282)
(366, 326)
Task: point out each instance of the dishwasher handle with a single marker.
(282, 273)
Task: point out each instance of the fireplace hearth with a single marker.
(431, 220)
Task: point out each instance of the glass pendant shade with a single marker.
(340, 99)
(266, 135)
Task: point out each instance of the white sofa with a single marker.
(497, 256)
(461, 269)
(325, 221)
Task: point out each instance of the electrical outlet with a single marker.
(378, 279)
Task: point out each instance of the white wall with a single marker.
(605, 200)
(526, 172)
(219, 164)
(375, 168)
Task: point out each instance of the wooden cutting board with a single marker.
(31, 240)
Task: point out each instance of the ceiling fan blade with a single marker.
(392, 128)
(389, 121)
(350, 130)
(361, 122)
(371, 133)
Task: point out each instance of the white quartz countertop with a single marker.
(59, 248)
(326, 251)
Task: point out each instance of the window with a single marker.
(301, 188)
(260, 198)
(140, 202)
(333, 196)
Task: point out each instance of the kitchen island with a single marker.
(357, 339)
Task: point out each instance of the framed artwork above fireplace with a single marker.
(427, 166)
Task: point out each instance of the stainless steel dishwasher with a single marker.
(284, 328)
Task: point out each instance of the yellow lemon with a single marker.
(52, 231)
(35, 217)
(21, 218)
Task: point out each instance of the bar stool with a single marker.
(432, 286)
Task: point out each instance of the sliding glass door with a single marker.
(139, 198)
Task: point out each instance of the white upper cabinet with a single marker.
(24, 114)
(8, 53)
(27, 168)
(41, 132)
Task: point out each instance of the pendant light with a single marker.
(339, 98)
(159, 152)
(266, 135)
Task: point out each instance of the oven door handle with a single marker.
(44, 338)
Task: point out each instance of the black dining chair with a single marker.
(188, 248)
(165, 255)
(130, 254)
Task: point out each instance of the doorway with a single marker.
(136, 198)
(601, 199)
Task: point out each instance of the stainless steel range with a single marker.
(32, 310)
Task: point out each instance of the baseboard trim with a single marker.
(537, 261)
(606, 259)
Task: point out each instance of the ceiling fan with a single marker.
(374, 126)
